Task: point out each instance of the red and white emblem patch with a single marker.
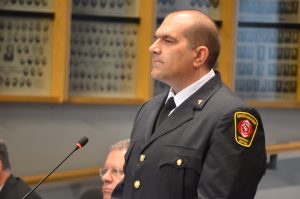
(245, 128)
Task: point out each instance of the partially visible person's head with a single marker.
(4, 159)
(4, 163)
(186, 47)
(112, 172)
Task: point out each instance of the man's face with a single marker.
(172, 56)
(114, 172)
(1, 168)
(2, 174)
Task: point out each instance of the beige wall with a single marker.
(39, 136)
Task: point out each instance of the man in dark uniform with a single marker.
(11, 187)
(199, 140)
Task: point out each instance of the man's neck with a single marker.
(187, 81)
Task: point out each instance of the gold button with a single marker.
(179, 162)
(142, 158)
(137, 184)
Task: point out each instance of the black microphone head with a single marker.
(82, 142)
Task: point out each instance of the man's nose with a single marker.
(107, 177)
(155, 48)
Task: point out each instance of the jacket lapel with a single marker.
(151, 117)
(184, 112)
(177, 118)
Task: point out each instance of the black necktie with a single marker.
(165, 111)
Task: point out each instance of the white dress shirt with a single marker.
(180, 97)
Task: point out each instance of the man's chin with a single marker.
(106, 195)
(155, 75)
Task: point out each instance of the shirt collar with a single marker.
(180, 97)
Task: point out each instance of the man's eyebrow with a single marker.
(164, 36)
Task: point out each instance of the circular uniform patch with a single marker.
(245, 128)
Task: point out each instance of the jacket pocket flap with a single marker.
(181, 157)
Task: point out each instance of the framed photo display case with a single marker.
(33, 50)
(96, 51)
(110, 62)
(267, 52)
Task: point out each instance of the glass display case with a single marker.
(267, 55)
(31, 33)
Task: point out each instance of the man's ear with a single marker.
(201, 54)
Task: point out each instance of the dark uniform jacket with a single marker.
(211, 147)
(16, 188)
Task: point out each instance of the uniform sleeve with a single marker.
(236, 157)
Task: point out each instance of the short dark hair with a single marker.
(4, 155)
(203, 34)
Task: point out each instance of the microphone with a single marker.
(79, 144)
